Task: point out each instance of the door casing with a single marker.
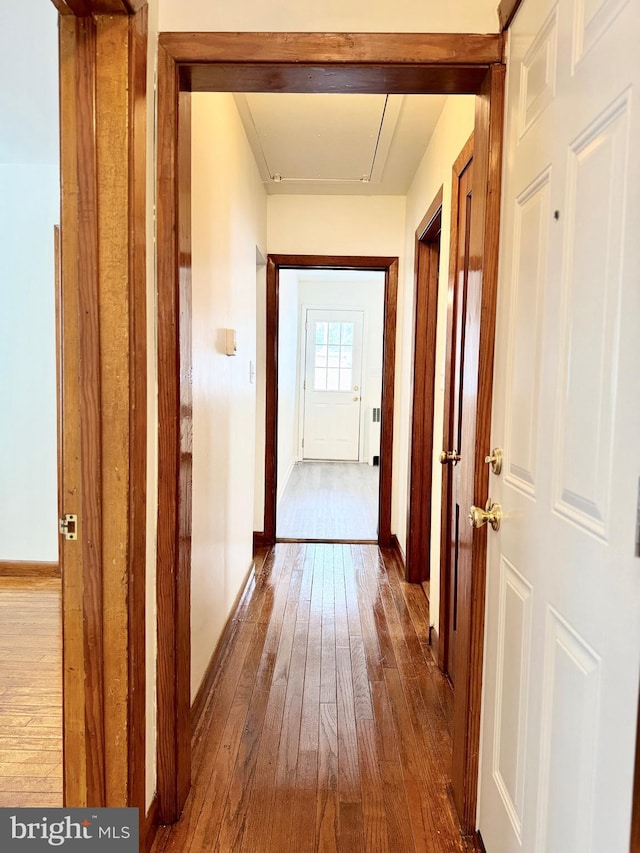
(387, 265)
(103, 375)
(304, 62)
(425, 312)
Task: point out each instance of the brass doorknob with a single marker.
(492, 513)
(449, 457)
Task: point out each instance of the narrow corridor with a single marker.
(328, 726)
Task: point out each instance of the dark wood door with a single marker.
(453, 514)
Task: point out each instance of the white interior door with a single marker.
(332, 385)
(563, 623)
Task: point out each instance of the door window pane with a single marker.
(333, 379)
(320, 380)
(333, 356)
(334, 333)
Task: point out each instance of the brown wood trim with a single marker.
(85, 8)
(395, 546)
(138, 41)
(483, 281)
(102, 334)
(174, 455)
(258, 540)
(70, 555)
(433, 49)
(337, 78)
(428, 224)
(219, 653)
(57, 253)
(434, 642)
(271, 400)
(149, 826)
(635, 817)
(425, 312)
(388, 392)
(29, 569)
(329, 262)
(387, 265)
(393, 63)
(90, 381)
(462, 162)
(506, 12)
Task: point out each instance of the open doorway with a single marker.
(30, 585)
(331, 336)
(384, 69)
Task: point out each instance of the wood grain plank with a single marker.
(327, 48)
(31, 693)
(29, 569)
(277, 768)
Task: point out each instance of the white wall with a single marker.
(452, 131)
(29, 208)
(336, 225)
(331, 15)
(369, 297)
(228, 222)
(288, 343)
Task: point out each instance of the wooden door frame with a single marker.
(387, 265)
(102, 333)
(298, 62)
(425, 313)
(462, 162)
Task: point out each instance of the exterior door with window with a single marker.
(332, 385)
(563, 583)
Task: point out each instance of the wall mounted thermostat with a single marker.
(230, 343)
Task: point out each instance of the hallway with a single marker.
(330, 500)
(328, 726)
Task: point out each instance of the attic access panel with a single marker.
(304, 138)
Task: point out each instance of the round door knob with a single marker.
(492, 513)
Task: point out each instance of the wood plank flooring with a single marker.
(30, 692)
(330, 500)
(328, 727)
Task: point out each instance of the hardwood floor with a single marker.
(330, 500)
(30, 692)
(328, 727)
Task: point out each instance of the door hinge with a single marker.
(68, 527)
(304, 386)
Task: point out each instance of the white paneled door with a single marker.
(563, 622)
(332, 385)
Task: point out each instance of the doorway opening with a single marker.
(330, 347)
(31, 673)
(386, 271)
(338, 63)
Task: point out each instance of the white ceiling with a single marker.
(338, 144)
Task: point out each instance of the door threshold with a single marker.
(311, 541)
